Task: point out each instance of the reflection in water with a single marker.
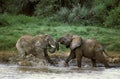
(51, 72)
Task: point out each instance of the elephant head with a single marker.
(45, 41)
(51, 43)
(70, 41)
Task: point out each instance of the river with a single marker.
(8, 71)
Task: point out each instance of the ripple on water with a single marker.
(51, 72)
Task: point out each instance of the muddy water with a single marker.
(51, 72)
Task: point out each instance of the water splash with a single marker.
(52, 72)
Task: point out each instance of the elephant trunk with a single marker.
(53, 49)
(57, 45)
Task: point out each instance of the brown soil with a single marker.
(6, 55)
(113, 53)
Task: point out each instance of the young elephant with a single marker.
(36, 46)
(89, 48)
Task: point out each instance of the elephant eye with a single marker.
(64, 40)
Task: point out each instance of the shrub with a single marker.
(45, 7)
(99, 13)
(101, 9)
(113, 19)
(75, 15)
(63, 14)
(78, 15)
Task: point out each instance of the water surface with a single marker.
(51, 72)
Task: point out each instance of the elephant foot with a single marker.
(108, 67)
(66, 64)
(94, 66)
(79, 65)
(52, 63)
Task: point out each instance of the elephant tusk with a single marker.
(52, 46)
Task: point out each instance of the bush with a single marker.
(76, 15)
(63, 14)
(113, 19)
(99, 13)
(101, 9)
(45, 8)
(85, 12)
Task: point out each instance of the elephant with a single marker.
(79, 48)
(37, 46)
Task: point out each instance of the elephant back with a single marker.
(94, 44)
(26, 42)
(39, 41)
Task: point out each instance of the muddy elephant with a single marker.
(89, 48)
(36, 46)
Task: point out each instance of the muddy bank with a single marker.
(11, 57)
(5, 56)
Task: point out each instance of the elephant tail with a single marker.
(105, 53)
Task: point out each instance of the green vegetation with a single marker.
(14, 26)
(98, 19)
(103, 13)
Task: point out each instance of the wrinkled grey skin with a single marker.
(36, 46)
(89, 48)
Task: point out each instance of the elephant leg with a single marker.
(93, 62)
(100, 57)
(47, 57)
(71, 56)
(78, 56)
(104, 61)
(21, 52)
(22, 55)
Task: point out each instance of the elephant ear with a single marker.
(76, 42)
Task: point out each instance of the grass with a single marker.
(17, 26)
